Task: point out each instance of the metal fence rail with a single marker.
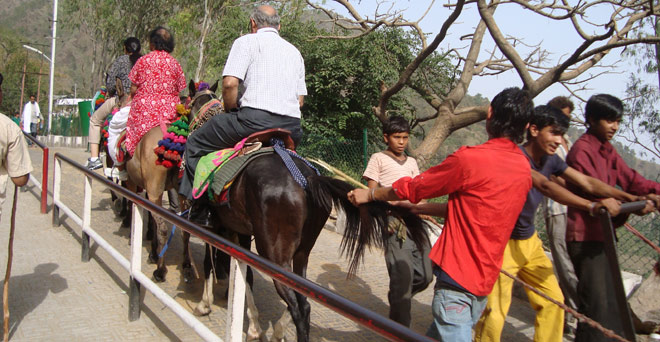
(43, 185)
(240, 259)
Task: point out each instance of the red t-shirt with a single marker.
(600, 160)
(487, 186)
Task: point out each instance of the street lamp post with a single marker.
(24, 71)
(40, 67)
(52, 68)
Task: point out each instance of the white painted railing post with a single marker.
(236, 305)
(136, 263)
(57, 177)
(86, 218)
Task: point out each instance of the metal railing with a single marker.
(43, 186)
(240, 259)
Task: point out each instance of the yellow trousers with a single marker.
(526, 259)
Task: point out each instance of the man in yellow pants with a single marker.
(524, 255)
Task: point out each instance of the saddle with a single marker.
(218, 169)
(277, 133)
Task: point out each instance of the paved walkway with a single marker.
(56, 297)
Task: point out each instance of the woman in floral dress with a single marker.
(157, 79)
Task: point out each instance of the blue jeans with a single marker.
(454, 314)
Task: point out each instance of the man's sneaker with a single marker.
(121, 175)
(94, 164)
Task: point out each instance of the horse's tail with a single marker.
(366, 225)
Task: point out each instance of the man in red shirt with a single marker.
(487, 187)
(594, 156)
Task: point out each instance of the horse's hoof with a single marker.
(152, 259)
(159, 276)
(253, 335)
(201, 310)
(126, 222)
(116, 207)
(188, 275)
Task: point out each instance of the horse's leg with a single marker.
(189, 270)
(124, 203)
(204, 307)
(161, 233)
(150, 235)
(311, 231)
(254, 332)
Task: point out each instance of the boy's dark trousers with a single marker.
(596, 295)
(410, 272)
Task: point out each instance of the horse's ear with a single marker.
(191, 88)
(214, 87)
(119, 86)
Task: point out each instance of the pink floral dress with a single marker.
(159, 79)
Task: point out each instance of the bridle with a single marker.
(201, 117)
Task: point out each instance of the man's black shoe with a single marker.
(200, 214)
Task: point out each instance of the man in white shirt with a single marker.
(31, 116)
(271, 74)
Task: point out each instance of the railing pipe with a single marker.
(43, 186)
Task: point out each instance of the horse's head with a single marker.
(201, 101)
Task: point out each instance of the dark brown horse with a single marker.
(285, 220)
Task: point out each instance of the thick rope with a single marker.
(641, 236)
(10, 255)
(169, 239)
(278, 146)
(582, 318)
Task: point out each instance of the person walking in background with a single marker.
(119, 69)
(410, 269)
(555, 223)
(487, 187)
(594, 155)
(31, 117)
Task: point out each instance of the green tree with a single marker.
(642, 124)
(13, 60)
(344, 78)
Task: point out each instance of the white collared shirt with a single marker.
(271, 70)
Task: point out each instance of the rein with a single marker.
(201, 116)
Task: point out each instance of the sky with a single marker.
(558, 38)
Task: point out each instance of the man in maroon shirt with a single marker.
(487, 187)
(594, 156)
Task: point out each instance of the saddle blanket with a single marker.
(217, 170)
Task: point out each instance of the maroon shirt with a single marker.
(600, 160)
